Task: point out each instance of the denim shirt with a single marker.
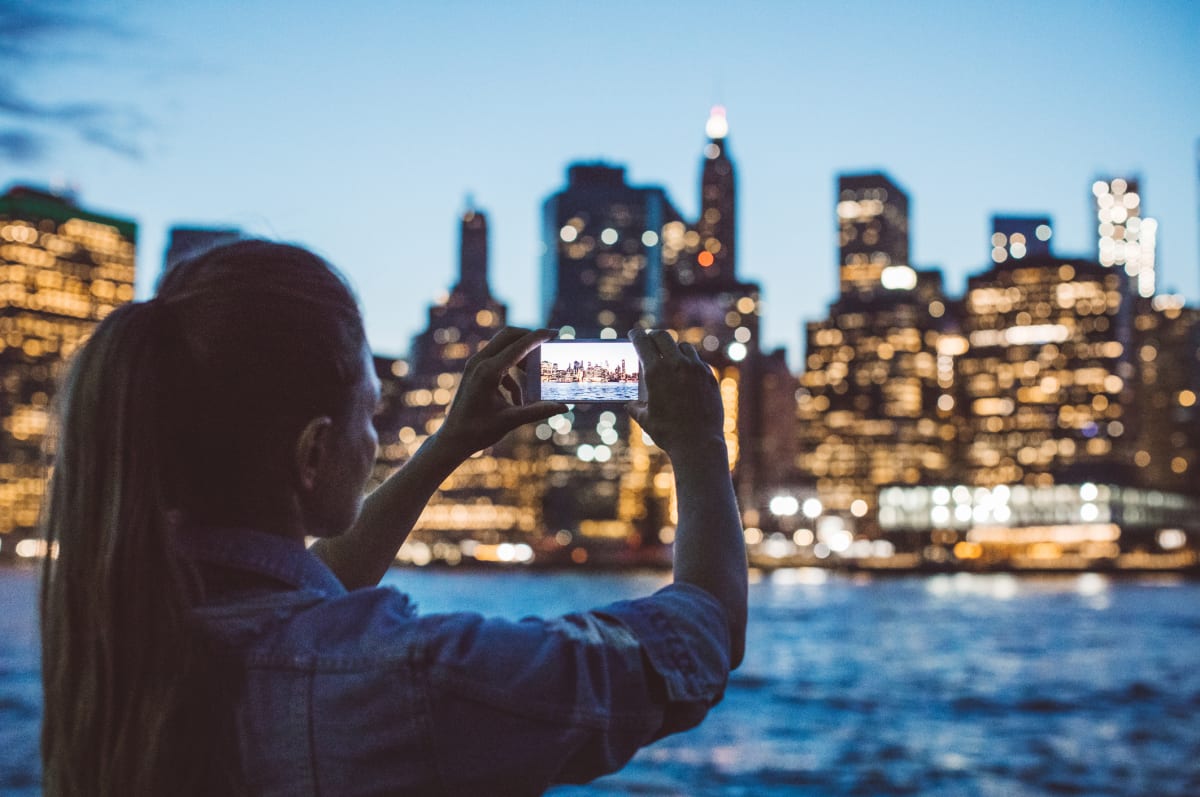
(349, 693)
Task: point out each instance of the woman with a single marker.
(192, 645)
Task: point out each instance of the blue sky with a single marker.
(594, 351)
(359, 128)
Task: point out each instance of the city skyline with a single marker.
(1051, 381)
(386, 139)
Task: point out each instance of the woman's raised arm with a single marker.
(487, 406)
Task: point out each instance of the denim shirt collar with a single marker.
(259, 552)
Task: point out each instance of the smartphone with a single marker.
(584, 372)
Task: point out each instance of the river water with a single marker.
(985, 686)
(572, 392)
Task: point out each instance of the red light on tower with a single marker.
(705, 259)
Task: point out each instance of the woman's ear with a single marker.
(312, 450)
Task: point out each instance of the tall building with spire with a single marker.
(492, 499)
(707, 304)
(466, 318)
(62, 270)
(706, 253)
(473, 256)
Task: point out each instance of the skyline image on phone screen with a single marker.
(586, 371)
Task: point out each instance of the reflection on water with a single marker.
(943, 685)
(589, 391)
(947, 685)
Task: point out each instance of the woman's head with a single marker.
(241, 395)
(250, 343)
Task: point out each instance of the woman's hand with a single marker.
(488, 406)
(489, 403)
(683, 403)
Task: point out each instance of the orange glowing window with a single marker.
(705, 258)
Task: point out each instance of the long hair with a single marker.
(181, 410)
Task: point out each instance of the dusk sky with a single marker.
(359, 128)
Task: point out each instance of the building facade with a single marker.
(874, 406)
(1079, 435)
(62, 270)
(1047, 384)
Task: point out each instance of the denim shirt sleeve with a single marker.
(517, 706)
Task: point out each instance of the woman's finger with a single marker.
(518, 348)
(510, 383)
(664, 343)
(690, 353)
(501, 340)
(537, 411)
(647, 352)
(637, 410)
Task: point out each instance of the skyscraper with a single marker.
(493, 498)
(709, 256)
(469, 316)
(62, 270)
(603, 275)
(473, 257)
(602, 269)
(873, 244)
(708, 306)
(873, 408)
(1127, 237)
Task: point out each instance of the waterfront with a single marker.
(931, 685)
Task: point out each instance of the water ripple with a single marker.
(940, 686)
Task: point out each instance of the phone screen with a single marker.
(585, 371)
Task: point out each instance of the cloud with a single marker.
(20, 146)
(33, 33)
